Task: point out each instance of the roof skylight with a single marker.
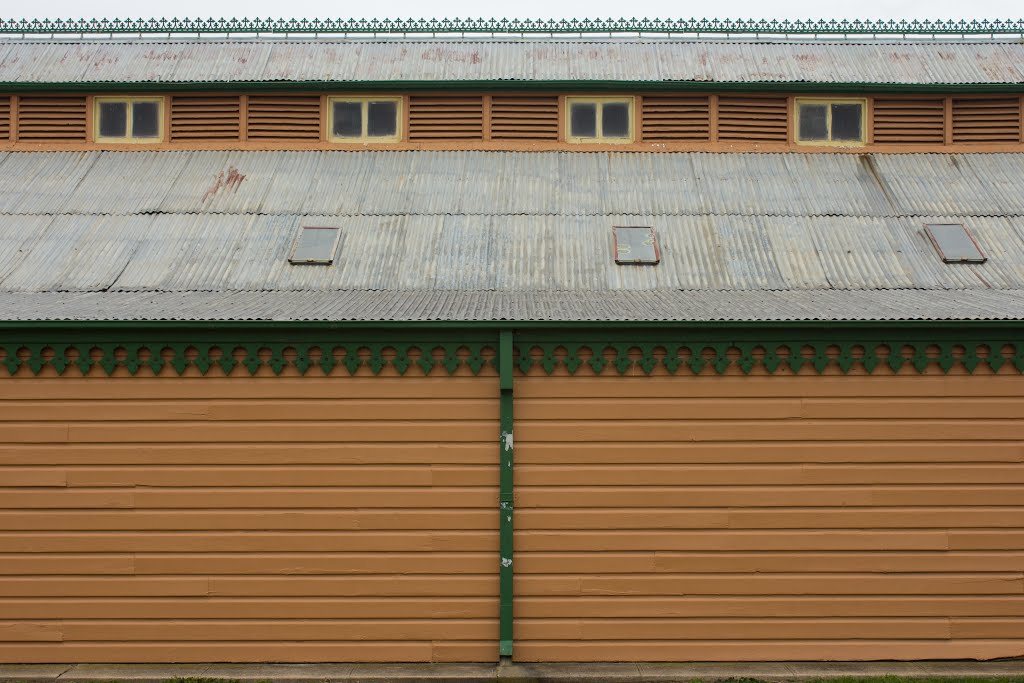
(635, 245)
(315, 246)
(954, 243)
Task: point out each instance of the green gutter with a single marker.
(518, 85)
(261, 328)
(505, 496)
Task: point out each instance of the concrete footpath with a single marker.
(471, 673)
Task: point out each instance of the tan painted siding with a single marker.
(280, 519)
(487, 120)
(769, 518)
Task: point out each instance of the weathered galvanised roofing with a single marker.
(453, 236)
(530, 60)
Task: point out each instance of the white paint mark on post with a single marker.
(506, 440)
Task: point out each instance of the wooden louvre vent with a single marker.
(5, 118)
(205, 117)
(51, 118)
(992, 119)
(283, 117)
(675, 117)
(909, 121)
(518, 118)
(753, 119)
(446, 118)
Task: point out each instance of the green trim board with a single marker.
(678, 354)
(478, 330)
(515, 26)
(506, 493)
(850, 88)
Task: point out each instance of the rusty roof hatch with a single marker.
(954, 243)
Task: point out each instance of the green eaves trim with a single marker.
(518, 85)
(637, 353)
(564, 26)
(488, 329)
(326, 354)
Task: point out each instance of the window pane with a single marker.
(615, 120)
(813, 122)
(382, 119)
(846, 122)
(583, 120)
(113, 119)
(348, 119)
(145, 119)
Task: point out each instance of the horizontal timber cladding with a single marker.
(677, 499)
(5, 118)
(287, 518)
(283, 117)
(448, 117)
(665, 121)
(990, 119)
(205, 117)
(708, 516)
(909, 121)
(52, 118)
(524, 118)
(676, 117)
(757, 119)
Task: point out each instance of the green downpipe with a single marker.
(505, 495)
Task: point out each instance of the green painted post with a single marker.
(505, 495)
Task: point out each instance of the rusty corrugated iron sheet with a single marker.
(224, 252)
(354, 60)
(456, 228)
(510, 183)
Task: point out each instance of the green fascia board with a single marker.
(518, 85)
(268, 331)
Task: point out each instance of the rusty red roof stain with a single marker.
(230, 180)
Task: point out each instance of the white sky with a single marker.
(521, 9)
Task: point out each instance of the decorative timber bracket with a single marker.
(640, 354)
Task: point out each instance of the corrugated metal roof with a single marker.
(190, 252)
(441, 306)
(509, 183)
(353, 60)
(499, 234)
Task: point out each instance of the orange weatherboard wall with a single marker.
(786, 517)
(248, 519)
(769, 518)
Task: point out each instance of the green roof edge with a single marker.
(262, 327)
(560, 86)
(516, 26)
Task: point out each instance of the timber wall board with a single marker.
(769, 518)
(527, 121)
(248, 519)
(660, 517)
